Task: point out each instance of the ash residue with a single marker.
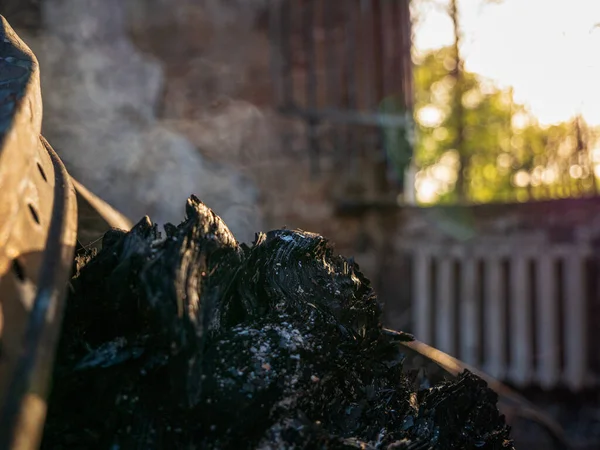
(191, 341)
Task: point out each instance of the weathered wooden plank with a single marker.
(445, 317)
(469, 313)
(548, 369)
(521, 344)
(494, 319)
(575, 322)
(422, 307)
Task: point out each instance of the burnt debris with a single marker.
(185, 339)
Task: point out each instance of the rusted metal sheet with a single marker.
(38, 227)
(99, 209)
(344, 67)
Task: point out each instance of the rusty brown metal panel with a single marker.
(38, 226)
(361, 57)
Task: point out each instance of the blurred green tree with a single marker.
(506, 154)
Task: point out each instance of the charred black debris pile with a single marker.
(187, 340)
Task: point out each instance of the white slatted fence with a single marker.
(517, 310)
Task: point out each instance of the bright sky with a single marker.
(548, 50)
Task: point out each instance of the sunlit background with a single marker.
(549, 62)
(540, 53)
(271, 112)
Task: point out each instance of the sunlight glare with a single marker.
(443, 173)
(472, 99)
(440, 134)
(504, 160)
(521, 178)
(520, 121)
(450, 158)
(430, 116)
(427, 190)
(543, 49)
(537, 175)
(576, 171)
(549, 175)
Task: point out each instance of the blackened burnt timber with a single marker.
(189, 340)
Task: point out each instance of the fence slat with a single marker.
(521, 345)
(548, 373)
(469, 313)
(422, 297)
(445, 307)
(534, 355)
(494, 320)
(575, 322)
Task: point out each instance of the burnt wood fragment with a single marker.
(185, 339)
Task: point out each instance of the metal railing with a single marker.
(519, 309)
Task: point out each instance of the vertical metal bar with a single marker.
(311, 82)
(384, 31)
(350, 59)
(393, 68)
(445, 330)
(421, 307)
(367, 55)
(275, 38)
(367, 65)
(521, 344)
(332, 75)
(495, 320)
(410, 94)
(379, 56)
(548, 369)
(405, 52)
(350, 78)
(377, 50)
(576, 350)
(469, 313)
(399, 47)
(286, 31)
(395, 49)
(408, 90)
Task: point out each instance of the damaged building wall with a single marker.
(158, 99)
(219, 92)
(100, 98)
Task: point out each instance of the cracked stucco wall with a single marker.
(100, 99)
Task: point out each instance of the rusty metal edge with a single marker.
(522, 407)
(110, 215)
(26, 380)
(33, 371)
(22, 115)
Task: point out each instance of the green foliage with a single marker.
(510, 156)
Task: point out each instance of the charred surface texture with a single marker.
(189, 340)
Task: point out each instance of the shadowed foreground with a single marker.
(188, 340)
